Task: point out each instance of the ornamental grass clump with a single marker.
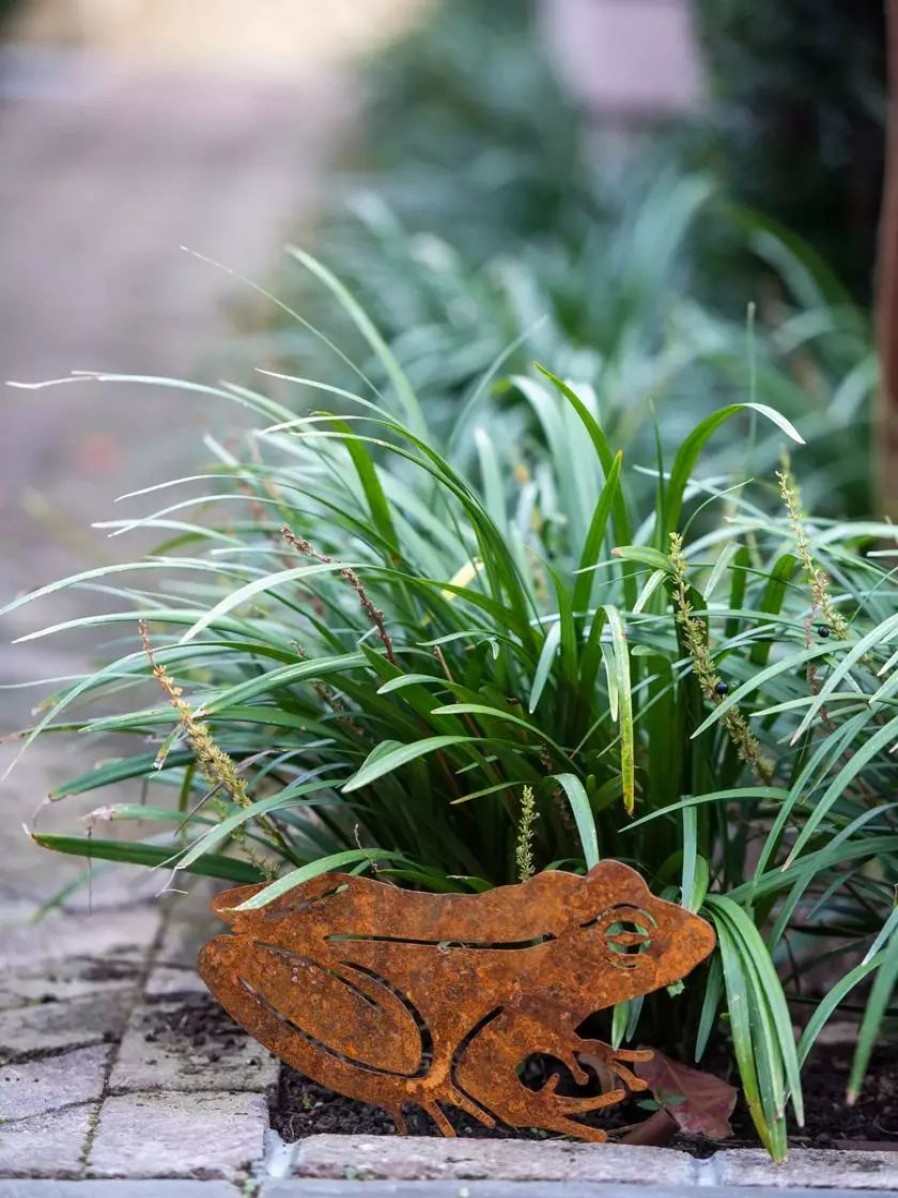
(462, 660)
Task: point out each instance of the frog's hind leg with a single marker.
(488, 1072)
(238, 982)
(429, 1092)
(439, 1117)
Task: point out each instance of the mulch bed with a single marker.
(303, 1108)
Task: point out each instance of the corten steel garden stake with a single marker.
(885, 426)
(397, 997)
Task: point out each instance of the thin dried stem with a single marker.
(374, 614)
(215, 765)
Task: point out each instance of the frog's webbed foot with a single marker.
(612, 1059)
(488, 1070)
(548, 1109)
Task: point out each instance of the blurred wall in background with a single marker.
(626, 58)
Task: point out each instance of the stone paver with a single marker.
(36, 1087)
(197, 1135)
(809, 1168)
(513, 1189)
(46, 1145)
(46, 1027)
(118, 1189)
(120, 937)
(189, 926)
(60, 981)
(167, 981)
(149, 1059)
(416, 1158)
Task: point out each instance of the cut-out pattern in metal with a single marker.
(396, 997)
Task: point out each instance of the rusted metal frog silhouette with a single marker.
(397, 997)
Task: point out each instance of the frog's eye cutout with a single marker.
(627, 932)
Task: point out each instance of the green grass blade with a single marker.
(404, 390)
(688, 454)
(583, 817)
(314, 869)
(131, 853)
(880, 995)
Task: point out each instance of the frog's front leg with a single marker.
(488, 1072)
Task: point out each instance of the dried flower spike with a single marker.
(821, 604)
(526, 832)
(713, 687)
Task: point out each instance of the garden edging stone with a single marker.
(809, 1167)
(44, 1188)
(502, 1189)
(180, 1188)
(416, 1158)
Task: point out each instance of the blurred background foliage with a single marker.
(488, 221)
(798, 117)
(6, 8)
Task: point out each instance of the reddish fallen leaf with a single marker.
(700, 1102)
(657, 1131)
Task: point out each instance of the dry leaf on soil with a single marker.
(700, 1102)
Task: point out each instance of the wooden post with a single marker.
(885, 425)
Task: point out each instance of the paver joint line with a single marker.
(146, 969)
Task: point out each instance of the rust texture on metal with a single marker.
(396, 997)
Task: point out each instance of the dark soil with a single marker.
(829, 1121)
(303, 1108)
(201, 1022)
(875, 1115)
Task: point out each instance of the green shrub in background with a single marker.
(618, 311)
(468, 135)
(483, 228)
(799, 115)
(367, 642)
